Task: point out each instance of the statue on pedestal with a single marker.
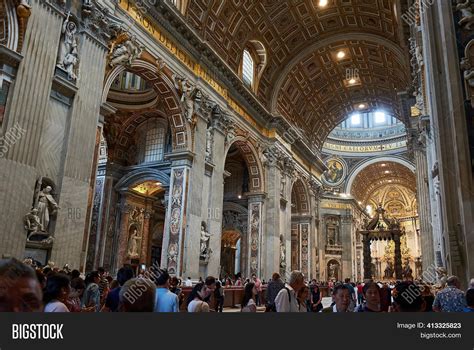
(47, 207)
(205, 237)
(134, 244)
(388, 274)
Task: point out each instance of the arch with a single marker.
(327, 42)
(250, 155)
(163, 85)
(302, 202)
(258, 53)
(361, 166)
(142, 175)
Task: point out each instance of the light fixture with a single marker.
(239, 196)
(384, 164)
(158, 183)
(341, 54)
(352, 81)
(362, 106)
(387, 172)
(323, 3)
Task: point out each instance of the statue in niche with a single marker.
(133, 244)
(333, 269)
(205, 237)
(124, 50)
(467, 16)
(187, 92)
(68, 54)
(47, 207)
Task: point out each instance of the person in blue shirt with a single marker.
(166, 301)
(469, 300)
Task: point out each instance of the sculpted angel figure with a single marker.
(187, 95)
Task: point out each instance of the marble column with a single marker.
(367, 257)
(276, 207)
(213, 193)
(418, 142)
(145, 255)
(122, 243)
(445, 101)
(174, 236)
(255, 226)
(346, 242)
(398, 257)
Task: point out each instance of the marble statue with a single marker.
(205, 237)
(32, 223)
(47, 207)
(230, 135)
(68, 54)
(407, 270)
(468, 72)
(25, 4)
(133, 244)
(388, 274)
(187, 95)
(125, 50)
(282, 253)
(333, 270)
(467, 16)
(209, 142)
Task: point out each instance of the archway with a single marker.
(243, 180)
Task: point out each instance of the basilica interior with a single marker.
(224, 138)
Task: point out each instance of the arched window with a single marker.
(154, 144)
(248, 69)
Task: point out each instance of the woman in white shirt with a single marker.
(56, 293)
(248, 300)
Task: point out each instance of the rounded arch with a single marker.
(142, 175)
(300, 197)
(250, 155)
(361, 166)
(162, 84)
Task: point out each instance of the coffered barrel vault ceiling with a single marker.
(381, 174)
(303, 80)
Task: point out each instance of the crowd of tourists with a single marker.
(26, 288)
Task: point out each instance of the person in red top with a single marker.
(360, 295)
(258, 287)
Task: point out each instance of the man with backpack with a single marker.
(286, 300)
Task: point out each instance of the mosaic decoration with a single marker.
(305, 249)
(175, 221)
(255, 223)
(336, 172)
